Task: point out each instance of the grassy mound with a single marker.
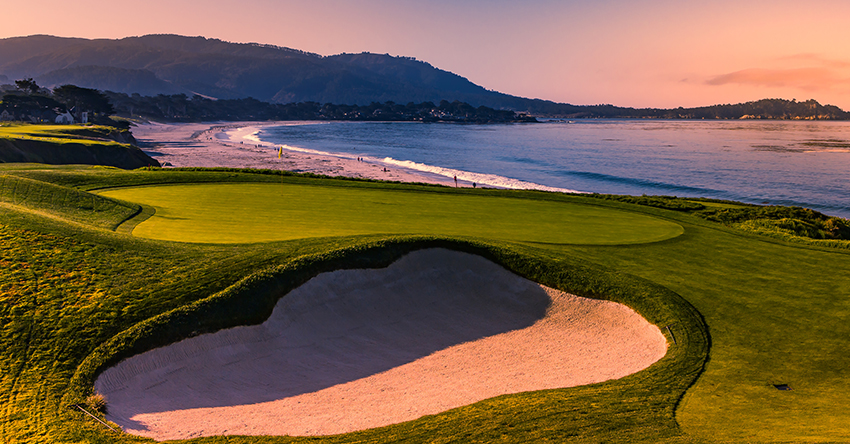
(793, 224)
(76, 298)
(71, 144)
(63, 202)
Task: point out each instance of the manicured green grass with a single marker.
(777, 314)
(76, 297)
(252, 212)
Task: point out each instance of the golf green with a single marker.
(261, 212)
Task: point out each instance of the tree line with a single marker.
(32, 103)
(29, 102)
(181, 108)
(777, 109)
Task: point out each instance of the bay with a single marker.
(795, 163)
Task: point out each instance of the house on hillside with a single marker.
(46, 116)
(5, 115)
(66, 118)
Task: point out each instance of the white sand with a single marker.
(356, 349)
(232, 145)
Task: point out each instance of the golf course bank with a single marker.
(99, 266)
(71, 144)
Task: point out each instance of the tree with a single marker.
(31, 105)
(83, 99)
(27, 85)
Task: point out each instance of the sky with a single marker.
(638, 53)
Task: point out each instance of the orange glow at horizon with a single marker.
(645, 53)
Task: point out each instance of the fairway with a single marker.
(742, 313)
(258, 212)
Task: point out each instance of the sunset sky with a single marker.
(641, 53)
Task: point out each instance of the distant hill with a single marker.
(172, 65)
(760, 109)
(107, 78)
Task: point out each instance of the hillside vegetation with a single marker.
(180, 108)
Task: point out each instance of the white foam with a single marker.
(253, 137)
(478, 178)
(491, 180)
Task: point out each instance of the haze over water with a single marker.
(797, 163)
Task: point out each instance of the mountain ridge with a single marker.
(215, 68)
(172, 64)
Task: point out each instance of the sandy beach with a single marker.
(357, 349)
(234, 145)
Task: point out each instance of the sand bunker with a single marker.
(356, 349)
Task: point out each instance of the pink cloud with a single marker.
(815, 59)
(808, 79)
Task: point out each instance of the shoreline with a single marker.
(236, 145)
(233, 145)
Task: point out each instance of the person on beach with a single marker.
(455, 181)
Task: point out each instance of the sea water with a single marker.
(796, 163)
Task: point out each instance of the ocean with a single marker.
(795, 163)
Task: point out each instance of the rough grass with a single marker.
(75, 298)
(792, 224)
(793, 230)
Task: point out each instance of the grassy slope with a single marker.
(68, 144)
(776, 312)
(89, 135)
(68, 203)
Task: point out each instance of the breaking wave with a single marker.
(481, 179)
(478, 178)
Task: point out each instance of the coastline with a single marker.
(234, 145)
